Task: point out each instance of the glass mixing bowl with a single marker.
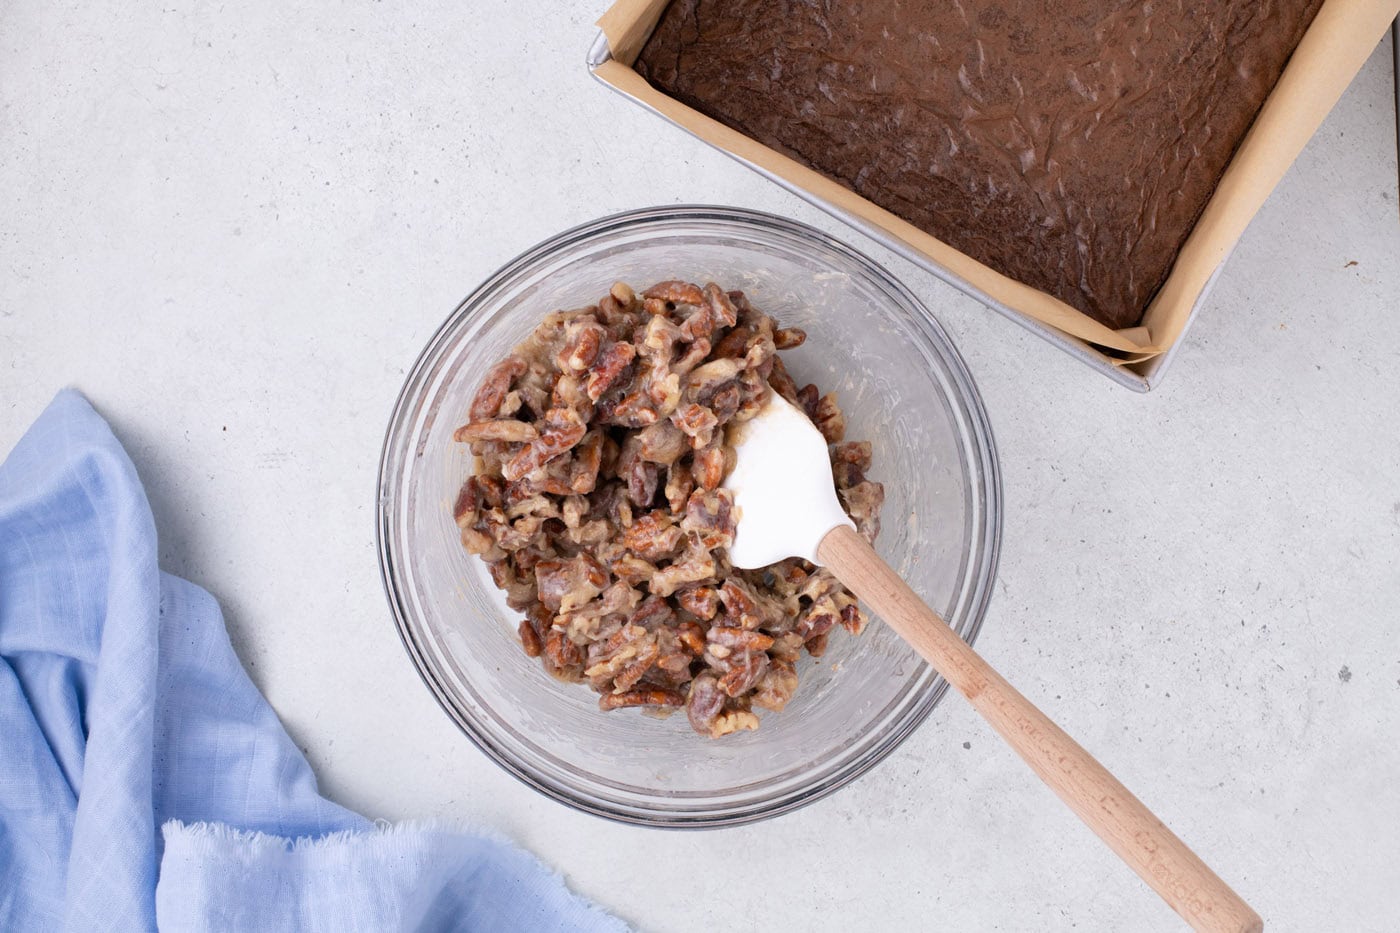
(901, 385)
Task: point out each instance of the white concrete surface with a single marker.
(233, 227)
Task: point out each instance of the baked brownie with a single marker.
(1070, 145)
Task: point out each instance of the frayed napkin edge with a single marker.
(203, 831)
(206, 833)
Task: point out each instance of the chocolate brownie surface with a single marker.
(1069, 145)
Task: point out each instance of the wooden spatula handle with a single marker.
(1105, 805)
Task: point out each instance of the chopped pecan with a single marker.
(535, 387)
(466, 510)
(505, 533)
(610, 369)
(595, 532)
(829, 420)
(626, 678)
(525, 560)
(563, 428)
(622, 293)
(650, 696)
(481, 543)
(536, 505)
(746, 309)
(709, 516)
(731, 721)
(663, 388)
(853, 619)
(634, 570)
(568, 392)
(584, 623)
(584, 338)
(562, 657)
(564, 584)
(486, 404)
(738, 639)
(697, 422)
(502, 430)
(787, 338)
(744, 673)
(856, 453)
(700, 601)
(694, 356)
(750, 608)
(588, 460)
(694, 566)
(699, 325)
(642, 478)
(550, 480)
(735, 344)
(679, 484)
(663, 442)
(776, 686)
(652, 613)
(762, 355)
(782, 383)
(704, 703)
(863, 502)
(820, 618)
(531, 639)
(674, 666)
(622, 660)
(692, 636)
(721, 306)
(786, 647)
(725, 403)
(653, 535)
(633, 410)
(616, 318)
(707, 467)
(676, 292)
(708, 377)
(660, 337)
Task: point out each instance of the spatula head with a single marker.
(782, 485)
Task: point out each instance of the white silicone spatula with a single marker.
(787, 507)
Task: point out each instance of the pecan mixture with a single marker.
(596, 504)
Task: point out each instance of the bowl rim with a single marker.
(969, 401)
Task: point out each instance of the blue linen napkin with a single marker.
(124, 709)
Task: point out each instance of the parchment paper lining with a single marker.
(1336, 45)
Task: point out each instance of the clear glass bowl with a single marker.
(901, 385)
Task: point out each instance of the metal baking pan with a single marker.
(1140, 377)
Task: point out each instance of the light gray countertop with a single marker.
(234, 227)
